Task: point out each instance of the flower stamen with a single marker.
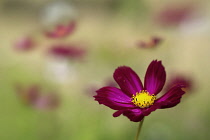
(143, 99)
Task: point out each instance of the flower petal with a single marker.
(128, 80)
(113, 98)
(135, 115)
(117, 113)
(155, 77)
(61, 30)
(171, 98)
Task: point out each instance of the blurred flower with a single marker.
(67, 51)
(58, 11)
(180, 80)
(172, 15)
(34, 97)
(135, 101)
(154, 42)
(61, 30)
(24, 44)
(47, 102)
(28, 95)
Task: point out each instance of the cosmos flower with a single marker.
(134, 100)
(61, 30)
(35, 97)
(67, 51)
(24, 44)
(154, 42)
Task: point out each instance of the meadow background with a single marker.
(109, 31)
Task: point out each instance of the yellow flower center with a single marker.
(143, 99)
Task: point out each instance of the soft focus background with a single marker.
(109, 31)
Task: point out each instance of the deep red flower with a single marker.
(62, 30)
(67, 51)
(134, 100)
(152, 43)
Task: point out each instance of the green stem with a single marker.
(139, 129)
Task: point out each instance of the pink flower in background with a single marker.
(28, 95)
(35, 97)
(173, 15)
(47, 102)
(67, 51)
(152, 43)
(62, 30)
(24, 44)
